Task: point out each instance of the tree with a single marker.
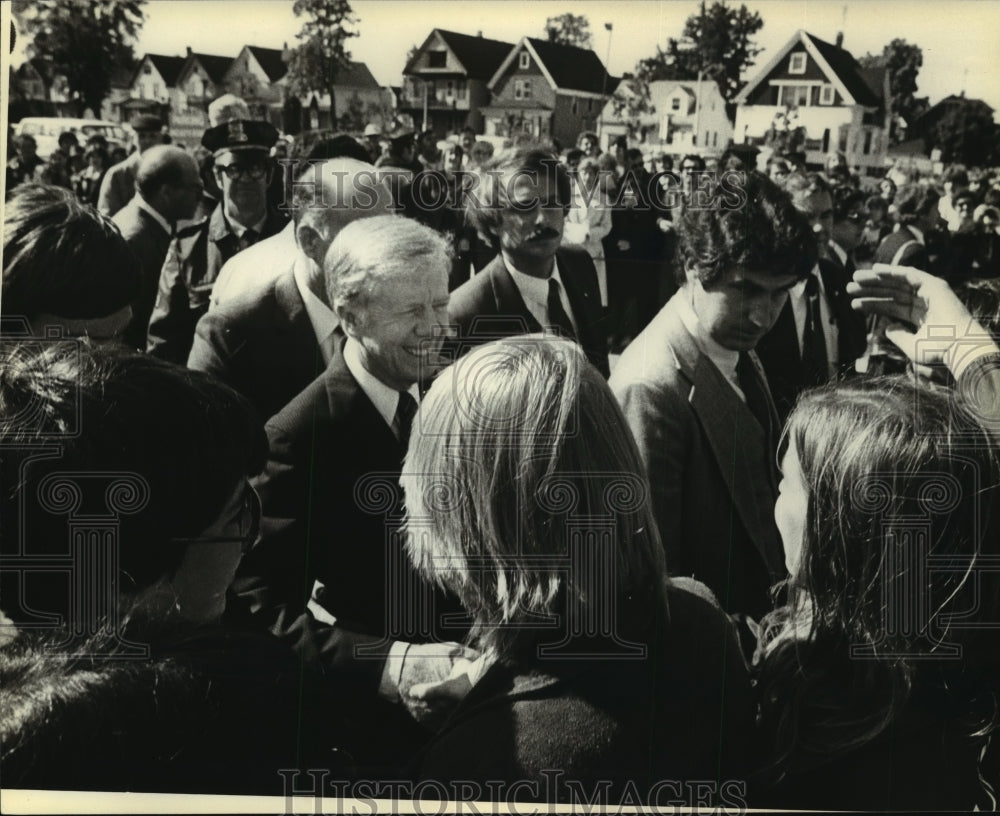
(569, 29)
(313, 65)
(965, 133)
(903, 61)
(86, 41)
(721, 48)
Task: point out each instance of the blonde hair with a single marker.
(517, 445)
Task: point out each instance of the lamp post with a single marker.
(691, 45)
(609, 27)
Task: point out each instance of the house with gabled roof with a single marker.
(823, 89)
(357, 100)
(255, 75)
(445, 81)
(153, 87)
(547, 91)
(676, 117)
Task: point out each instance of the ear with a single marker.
(691, 271)
(350, 320)
(311, 243)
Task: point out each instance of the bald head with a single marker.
(167, 179)
(329, 196)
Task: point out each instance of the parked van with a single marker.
(47, 129)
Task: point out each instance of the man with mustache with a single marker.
(533, 284)
(697, 400)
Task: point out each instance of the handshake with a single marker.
(927, 320)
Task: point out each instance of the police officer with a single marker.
(243, 171)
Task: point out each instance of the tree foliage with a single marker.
(721, 48)
(569, 29)
(965, 133)
(313, 65)
(903, 61)
(85, 40)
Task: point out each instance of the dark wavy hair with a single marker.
(753, 226)
(62, 257)
(835, 669)
(188, 437)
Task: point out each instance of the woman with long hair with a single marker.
(877, 676)
(525, 496)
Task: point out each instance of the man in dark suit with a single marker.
(168, 189)
(330, 559)
(277, 331)
(917, 210)
(697, 399)
(532, 283)
(817, 335)
(243, 217)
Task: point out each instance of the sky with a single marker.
(960, 38)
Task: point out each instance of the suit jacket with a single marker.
(251, 269)
(150, 242)
(710, 464)
(490, 306)
(779, 348)
(118, 186)
(684, 713)
(186, 280)
(331, 510)
(914, 255)
(261, 343)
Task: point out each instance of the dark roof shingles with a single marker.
(480, 56)
(574, 69)
(850, 72)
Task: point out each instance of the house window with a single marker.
(523, 60)
(826, 95)
(575, 106)
(675, 104)
(147, 68)
(867, 148)
(460, 89)
(715, 139)
(522, 89)
(436, 59)
(450, 90)
(797, 63)
(793, 95)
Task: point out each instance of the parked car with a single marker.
(47, 129)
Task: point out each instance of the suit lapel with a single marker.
(739, 445)
(507, 296)
(580, 300)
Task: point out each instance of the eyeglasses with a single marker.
(248, 521)
(234, 171)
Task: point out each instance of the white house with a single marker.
(680, 117)
(823, 89)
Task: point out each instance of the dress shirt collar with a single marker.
(322, 318)
(799, 290)
(238, 229)
(918, 234)
(535, 292)
(384, 398)
(722, 358)
(839, 251)
(147, 208)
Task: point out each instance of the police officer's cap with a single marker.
(240, 134)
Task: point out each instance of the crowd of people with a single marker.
(535, 475)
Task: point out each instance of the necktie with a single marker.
(815, 369)
(753, 390)
(402, 423)
(247, 239)
(557, 314)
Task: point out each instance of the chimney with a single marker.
(479, 33)
(189, 50)
(840, 39)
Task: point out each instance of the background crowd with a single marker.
(433, 464)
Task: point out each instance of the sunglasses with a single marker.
(234, 171)
(248, 523)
